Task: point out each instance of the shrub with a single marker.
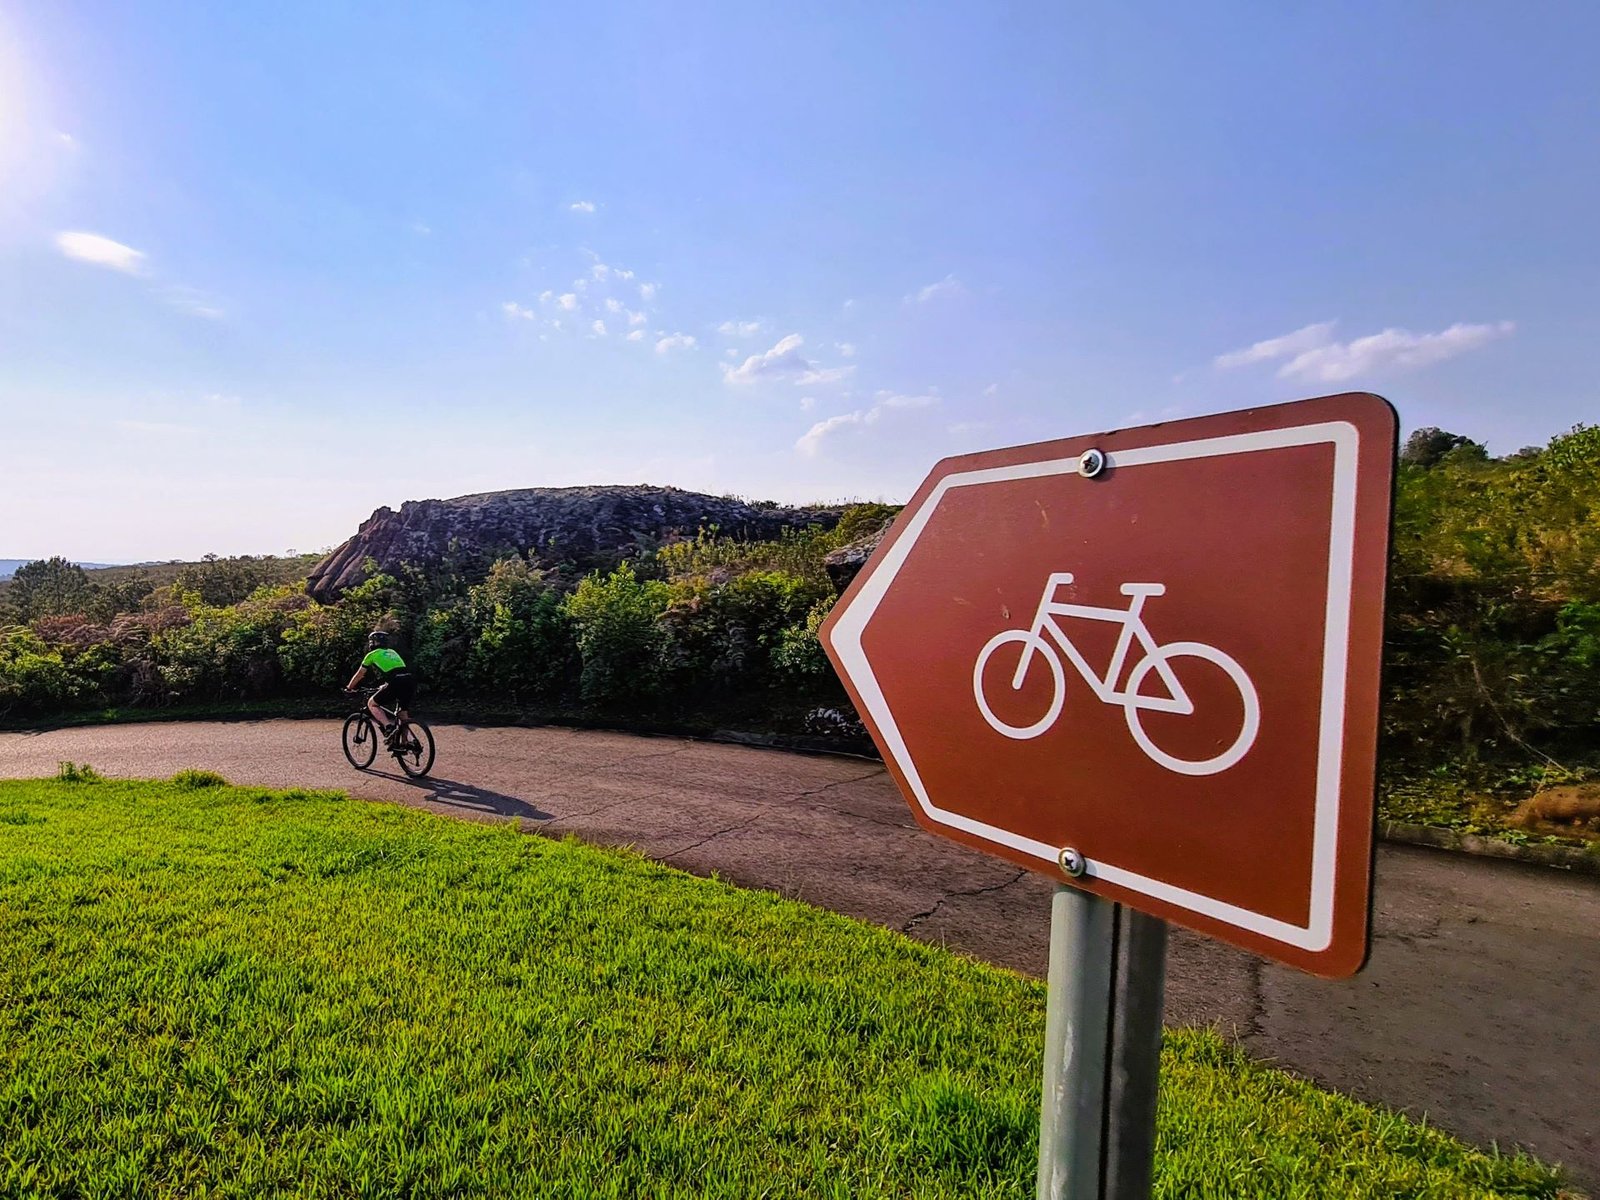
(619, 636)
(192, 780)
(799, 655)
(724, 631)
(524, 638)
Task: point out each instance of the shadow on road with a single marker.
(465, 795)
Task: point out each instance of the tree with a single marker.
(48, 587)
(1426, 446)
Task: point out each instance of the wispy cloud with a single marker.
(581, 206)
(598, 328)
(421, 228)
(1312, 354)
(742, 329)
(783, 361)
(647, 291)
(676, 341)
(636, 336)
(947, 288)
(515, 311)
(847, 349)
(567, 302)
(811, 441)
(190, 300)
(1305, 338)
(101, 251)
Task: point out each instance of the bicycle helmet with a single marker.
(377, 639)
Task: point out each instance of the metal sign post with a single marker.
(1102, 1046)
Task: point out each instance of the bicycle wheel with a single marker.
(1016, 670)
(414, 751)
(1249, 726)
(360, 741)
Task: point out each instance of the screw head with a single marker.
(1091, 463)
(1072, 862)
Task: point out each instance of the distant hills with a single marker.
(8, 566)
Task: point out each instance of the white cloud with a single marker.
(101, 251)
(421, 228)
(568, 301)
(947, 288)
(811, 441)
(739, 328)
(807, 403)
(581, 206)
(823, 375)
(613, 305)
(676, 341)
(990, 391)
(784, 360)
(1397, 347)
(636, 336)
(1302, 339)
(546, 296)
(647, 291)
(636, 318)
(731, 352)
(514, 311)
(599, 328)
(1314, 356)
(847, 349)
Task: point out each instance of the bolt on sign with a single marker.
(1146, 663)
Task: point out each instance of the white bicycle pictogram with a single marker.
(1157, 658)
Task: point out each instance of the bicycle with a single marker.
(412, 748)
(1157, 658)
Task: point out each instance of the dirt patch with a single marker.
(1571, 811)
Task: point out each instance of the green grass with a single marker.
(216, 991)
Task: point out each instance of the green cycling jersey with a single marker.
(384, 661)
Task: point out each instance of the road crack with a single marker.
(920, 917)
(712, 836)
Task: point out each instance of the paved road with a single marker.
(1479, 1007)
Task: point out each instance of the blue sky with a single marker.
(264, 268)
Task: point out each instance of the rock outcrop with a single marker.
(845, 563)
(581, 527)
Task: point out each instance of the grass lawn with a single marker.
(216, 991)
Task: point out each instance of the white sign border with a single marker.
(1317, 934)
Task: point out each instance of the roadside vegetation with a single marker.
(233, 992)
(1493, 655)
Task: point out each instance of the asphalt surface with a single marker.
(1478, 1008)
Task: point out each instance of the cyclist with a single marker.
(398, 684)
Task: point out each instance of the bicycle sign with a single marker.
(1156, 659)
(1145, 663)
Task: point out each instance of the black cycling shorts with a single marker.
(399, 689)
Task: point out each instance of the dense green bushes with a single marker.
(1494, 604)
(709, 622)
(1493, 652)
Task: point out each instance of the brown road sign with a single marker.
(1150, 656)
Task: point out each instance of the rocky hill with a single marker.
(584, 527)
